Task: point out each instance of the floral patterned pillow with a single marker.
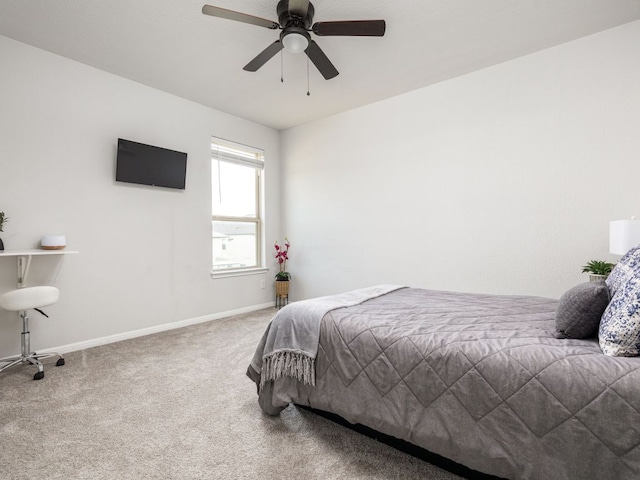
(624, 271)
(619, 332)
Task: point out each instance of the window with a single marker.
(236, 220)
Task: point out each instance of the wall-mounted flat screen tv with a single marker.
(149, 165)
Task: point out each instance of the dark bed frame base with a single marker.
(406, 447)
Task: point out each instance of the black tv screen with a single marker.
(149, 165)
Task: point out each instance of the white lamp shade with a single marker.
(295, 43)
(623, 236)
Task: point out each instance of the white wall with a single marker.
(145, 252)
(500, 181)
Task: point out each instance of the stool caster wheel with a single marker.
(38, 376)
(60, 362)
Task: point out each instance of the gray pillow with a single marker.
(580, 309)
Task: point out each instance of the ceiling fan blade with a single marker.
(351, 28)
(238, 17)
(299, 7)
(320, 60)
(264, 56)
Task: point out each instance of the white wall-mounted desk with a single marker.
(24, 260)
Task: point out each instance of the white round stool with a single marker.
(20, 301)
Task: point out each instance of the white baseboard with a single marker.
(72, 347)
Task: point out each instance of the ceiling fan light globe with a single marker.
(295, 43)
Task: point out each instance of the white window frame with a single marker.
(238, 154)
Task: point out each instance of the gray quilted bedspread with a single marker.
(479, 379)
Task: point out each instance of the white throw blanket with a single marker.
(290, 343)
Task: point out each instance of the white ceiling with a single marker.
(172, 46)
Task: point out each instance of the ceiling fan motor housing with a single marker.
(288, 19)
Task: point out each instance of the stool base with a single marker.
(32, 359)
(27, 356)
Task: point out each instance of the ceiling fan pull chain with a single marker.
(308, 92)
(281, 67)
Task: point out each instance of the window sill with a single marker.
(238, 273)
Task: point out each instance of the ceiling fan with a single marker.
(295, 19)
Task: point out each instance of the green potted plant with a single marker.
(3, 219)
(282, 277)
(598, 270)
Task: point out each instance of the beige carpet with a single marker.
(176, 405)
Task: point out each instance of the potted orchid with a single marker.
(282, 255)
(282, 277)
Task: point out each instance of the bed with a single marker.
(479, 379)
